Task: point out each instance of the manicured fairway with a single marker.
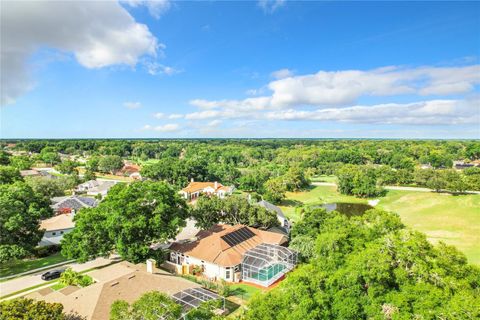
(443, 217)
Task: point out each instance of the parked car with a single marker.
(50, 275)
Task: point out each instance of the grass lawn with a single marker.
(58, 286)
(324, 178)
(454, 220)
(19, 266)
(244, 291)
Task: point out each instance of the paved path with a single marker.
(31, 280)
(331, 184)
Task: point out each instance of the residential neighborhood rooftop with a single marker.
(225, 245)
(58, 222)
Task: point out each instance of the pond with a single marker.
(346, 208)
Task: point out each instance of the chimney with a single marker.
(191, 180)
(215, 185)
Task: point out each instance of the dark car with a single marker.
(50, 275)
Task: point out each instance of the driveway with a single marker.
(31, 280)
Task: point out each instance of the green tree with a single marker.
(295, 179)
(46, 187)
(20, 212)
(454, 181)
(152, 305)
(360, 181)
(89, 175)
(209, 211)
(67, 167)
(274, 190)
(9, 175)
(437, 181)
(21, 162)
(69, 277)
(4, 158)
(110, 164)
(50, 155)
(129, 220)
(28, 309)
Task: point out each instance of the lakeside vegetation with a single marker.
(441, 216)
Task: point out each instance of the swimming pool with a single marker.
(269, 272)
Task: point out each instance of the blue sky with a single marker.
(240, 69)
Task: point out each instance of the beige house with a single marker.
(219, 251)
(120, 281)
(55, 227)
(195, 189)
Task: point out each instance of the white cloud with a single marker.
(214, 123)
(175, 116)
(159, 115)
(169, 127)
(430, 112)
(269, 6)
(282, 73)
(433, 112)
(97, 33)
(155, 68)
(341, 88)
(132, 105)
(156, 8)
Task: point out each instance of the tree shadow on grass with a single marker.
(291, 203)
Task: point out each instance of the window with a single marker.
(236, 268)
(61, 232)
(54, 233)
(227, 273)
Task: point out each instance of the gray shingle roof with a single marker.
(267, 205)
(73, 202)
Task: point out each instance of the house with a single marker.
(55, 227)
(284, 223)
(95, 187)
(130, 170)
(36, 173)
(30, 173)
(195, 189)
(71, 204)
(224, 252)
(119, 281)
(460, 165)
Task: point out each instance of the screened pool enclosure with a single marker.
(266, 263)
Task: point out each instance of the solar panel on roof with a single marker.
(238, 236)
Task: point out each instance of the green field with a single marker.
(19, 266)
(452, 219)
(244, 291)
(443, 217)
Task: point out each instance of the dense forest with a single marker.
(271, 167)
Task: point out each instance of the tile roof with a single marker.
(59, 222)
(211, 245)
(199, 186)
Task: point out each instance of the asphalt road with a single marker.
(34, 279)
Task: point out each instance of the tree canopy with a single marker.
(152, 305)
(129, 220)
(20, 212)
(209, 211)
(371, 267)
(28, 309)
